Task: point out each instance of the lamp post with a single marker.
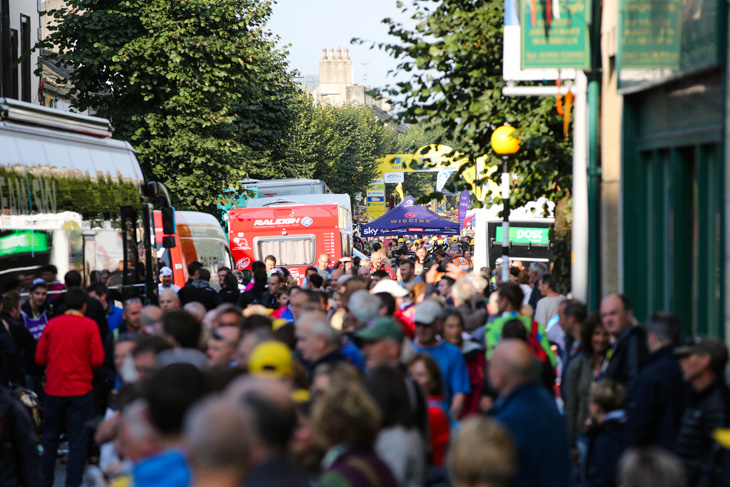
(505, 143)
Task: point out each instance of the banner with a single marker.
(463, 207)
(441, 179)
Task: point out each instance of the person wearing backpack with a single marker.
(509, 302)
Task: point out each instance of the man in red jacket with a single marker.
(71, 349)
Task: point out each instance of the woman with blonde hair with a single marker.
(346, 422)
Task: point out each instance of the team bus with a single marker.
(271, 188)
(72, 196)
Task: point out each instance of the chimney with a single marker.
(332, 53)
(324, 53)
(347, 54)
(339, 53)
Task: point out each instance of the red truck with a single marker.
(293, 229)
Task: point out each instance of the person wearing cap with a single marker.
(429, 323)
(271, 359)
(166, 281)
(382, 344)
(703, 363)
(35, 310)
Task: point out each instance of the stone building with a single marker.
(336, 86)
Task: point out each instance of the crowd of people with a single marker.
(406, 368)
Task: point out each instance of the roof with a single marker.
(54, 75)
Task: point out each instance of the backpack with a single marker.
(439, 404)
(534, 342)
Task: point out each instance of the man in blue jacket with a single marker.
(531, 416)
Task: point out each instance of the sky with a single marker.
(311, 25)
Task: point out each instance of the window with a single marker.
(14, 90)
(25, 63)
(289, 251)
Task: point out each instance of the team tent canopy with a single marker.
(409, 219)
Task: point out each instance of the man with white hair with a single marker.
(465, 295)
(317, 341)
(169, 301)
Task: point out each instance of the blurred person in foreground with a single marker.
(482, 455)
(166, 398)
(346, 421)
(271, 421)
(399, 442)
(526, 409)
(218, 435)
(650, 467)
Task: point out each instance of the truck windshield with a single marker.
(289, 251)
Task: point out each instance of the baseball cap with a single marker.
(391, 287)
(427, 312)
(165, 271)
(38, 282)
(383, 328)
(705, 346)
(271, 359)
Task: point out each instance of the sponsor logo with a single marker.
(306, 221)
(415, 229)
(529, 234)
(370, 231)
(241, 243)
(243, 263)
(275, 222)
(410, 215)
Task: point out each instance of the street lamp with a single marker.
(505, 143)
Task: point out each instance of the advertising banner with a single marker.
(463, 207)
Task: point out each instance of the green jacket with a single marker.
(494, 334)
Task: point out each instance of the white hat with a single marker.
(391, 287)
(165, 271)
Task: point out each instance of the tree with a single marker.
(197, 86)
(455, 57)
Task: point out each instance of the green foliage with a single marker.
(337, 144)
(455, 57)
(197, 86)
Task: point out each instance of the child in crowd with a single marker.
(606, 433)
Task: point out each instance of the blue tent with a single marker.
(409, 219)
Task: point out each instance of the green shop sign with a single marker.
(650, 33)
(19, 242)
(525, 235)
(555, 35)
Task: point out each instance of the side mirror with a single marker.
(168, 242)
(168, 220)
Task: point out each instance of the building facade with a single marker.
(19, 30)
(336, 86)
(664, 198)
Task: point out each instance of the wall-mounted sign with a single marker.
(555, 38)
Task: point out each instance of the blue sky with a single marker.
(311, 25)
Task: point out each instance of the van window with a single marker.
(289, 251)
